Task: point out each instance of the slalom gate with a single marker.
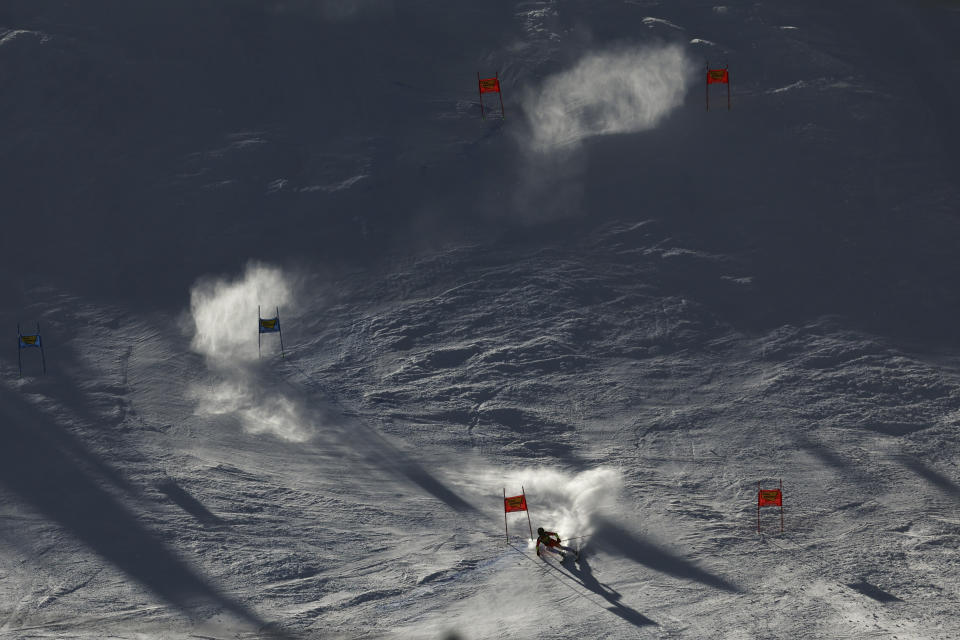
(269, 325)
(490, 85)
(718, 76)
(33, 341)
(770, 498)
(515, 503)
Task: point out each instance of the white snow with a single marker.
(628, 307)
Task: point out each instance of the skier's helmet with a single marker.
(540, 531)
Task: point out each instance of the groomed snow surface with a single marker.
(631, 307)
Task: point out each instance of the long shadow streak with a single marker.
(845, 468)
(42, 472)
(614, 539)
(390, 457)
(187, 502)
(353, 431)
(932, 476)
(873, 591)
(68, 442)
(583, 575)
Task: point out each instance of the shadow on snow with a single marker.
(187, 502)
(616, 540)
(37, 464)
(352, 431)
(937, 479)
(873, 592)
(583, 574)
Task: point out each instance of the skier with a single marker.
(550, 539)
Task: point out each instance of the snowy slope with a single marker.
(631, 307)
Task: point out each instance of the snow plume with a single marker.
(224, 312)
(260, 408)
(569, 503)
(623, 91)
(226, 335)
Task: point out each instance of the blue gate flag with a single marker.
(270, 325)
(30, 341)
(25, 342)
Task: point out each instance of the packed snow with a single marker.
(629, 308)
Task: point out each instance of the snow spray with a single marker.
(569, 503)
(225, 315)
(622, 91)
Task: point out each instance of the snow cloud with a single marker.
(261, 409)
(223, 312)
(569, 503)
(624, 91)
(226, 335)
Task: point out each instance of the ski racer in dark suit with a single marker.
(551, 540)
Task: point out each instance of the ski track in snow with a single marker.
(245, 483)
(613, 369)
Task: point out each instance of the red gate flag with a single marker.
(718, 76)
(769, 498)
(514, 503)
(489, 85)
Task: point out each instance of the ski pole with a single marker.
(576, 538)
